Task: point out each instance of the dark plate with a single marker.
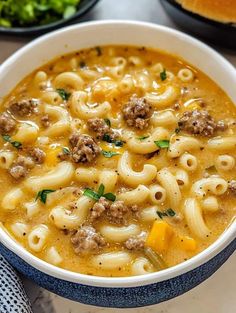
(83, 8)
(216, 32)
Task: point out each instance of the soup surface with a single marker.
(117, 161)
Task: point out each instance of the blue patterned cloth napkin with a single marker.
(13, 298)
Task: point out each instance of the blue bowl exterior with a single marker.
(122, 297)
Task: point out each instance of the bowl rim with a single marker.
(32, 30)
(133, 281)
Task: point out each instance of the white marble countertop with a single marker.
(217, 294)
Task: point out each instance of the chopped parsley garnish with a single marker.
(91, 194)
(163, 75)
(177, 130)
(100, 193)
(168, 213)
(63, 94)
(109, 154)
(42, 195)
(82, 64)
(107, 121)
(99, 51)
(142, 138)
(162, 143)
(15, 144)
(101, 190)
(65, 150)
(109, 196)
(107, 138)
(6, 138)
(117, 143)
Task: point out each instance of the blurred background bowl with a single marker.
(218, 33)
(83, 7)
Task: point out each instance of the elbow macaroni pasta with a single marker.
(131, 177)
(169, 183)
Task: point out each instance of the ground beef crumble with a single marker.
(232, 186)
(136, 243)
(99, 126)
(37, 155)
(84, 148)
(63, 156)
(200, 123)
(137, 112)
(21, 167)
(117, 211)
(99, 207)
(87, 240)
(7, 123)
(24, 107)
(45, 121)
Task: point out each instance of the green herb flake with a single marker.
(101, 190)
(161, 214)
(177, 130)
(107, 121)
(99, 51)
(91, 194)
(63, 94)
(109, 154)
(6, 138)
(162, 143)
(117, 143)
(66, 151)
(142, 138)
(107, 138)
(15, 144)
(82, 64)
(97, 195)
(42, 195)
(163, 75)
(169, 212)
(110, 196)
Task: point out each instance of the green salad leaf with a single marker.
(19, 13)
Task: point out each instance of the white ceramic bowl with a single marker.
(128, 291)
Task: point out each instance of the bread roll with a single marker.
(223, 11)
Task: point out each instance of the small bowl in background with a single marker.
(83, 8)
(218, 33)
